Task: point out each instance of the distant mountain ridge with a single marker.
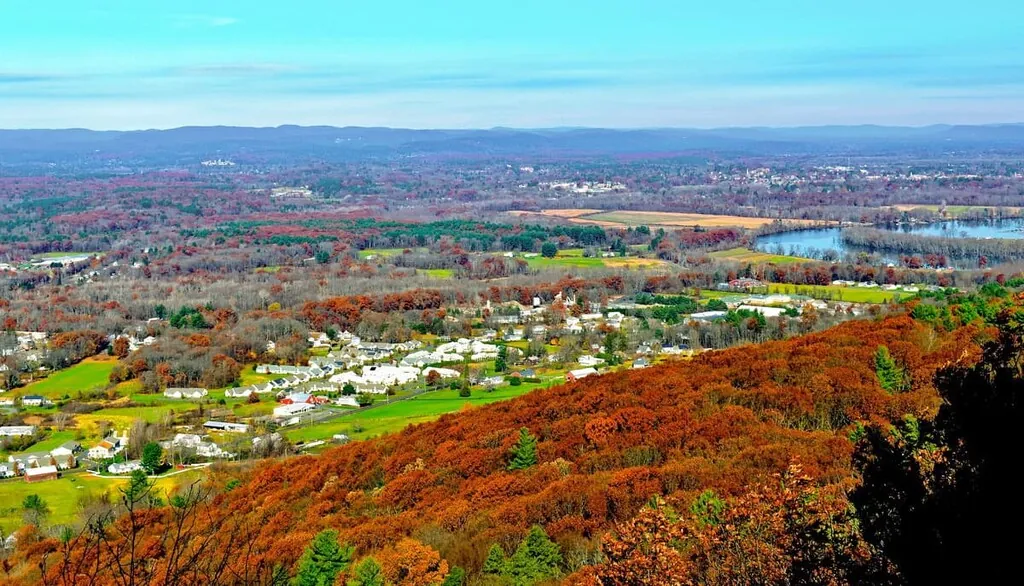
(289, 143)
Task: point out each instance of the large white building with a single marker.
(288, 411)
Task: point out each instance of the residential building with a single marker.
(288, 411)
(124, 467)
(765, 311)
(17, 430)
(26, 460)
(442, 372)
(185, 393)
(582, 373)
(35, 401)
(68, 448)
(41, 473)
(225, 426)
(106, 449)
(707, 315)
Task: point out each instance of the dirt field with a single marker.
(622, 219)
(753, 256)
(570, 213)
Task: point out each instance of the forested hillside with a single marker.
(747, 448)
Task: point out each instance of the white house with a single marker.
(588, 360)
(390, 375)
(64, 453)
(319, 340)
(765, 311)
(288, 411)
(198, 443)
(423, 358)
(582, 373)
(34, 401)
(226, 426)
(124, 467)
(615, 319)
(442, 372)
(185, 393)
(707, 315)
(476, 348)
(239, 393)
(16, 430)
(107, 448)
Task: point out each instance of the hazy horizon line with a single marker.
(516, 128)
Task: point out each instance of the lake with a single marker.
(814, 243)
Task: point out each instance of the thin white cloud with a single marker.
(202, 20)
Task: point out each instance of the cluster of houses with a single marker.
(36, 466)
(191, 444)
(476, 349)
(292, 377)
(190, 393)
(135, 339)
(26, 349)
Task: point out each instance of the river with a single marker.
(814, 243)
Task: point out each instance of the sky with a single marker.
(120, 64)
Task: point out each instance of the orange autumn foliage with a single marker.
(724, 421)
(412, 563)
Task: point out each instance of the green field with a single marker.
(55, 439)
(63, 495)
(150, 413)
(89, 374)
(833, 293)
(250, 377)
(715, 294)
(48, 255)
(954, 211)
(540, 262)
(438, 273)
(419, 409)
(385, 252)
(573, 258)
(745, 255)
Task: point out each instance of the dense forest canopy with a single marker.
(691, 434)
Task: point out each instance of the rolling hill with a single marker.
(607, 448)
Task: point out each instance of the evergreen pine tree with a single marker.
(495, 562)
(537, 558)
(323, 560)
(501, 362)
(524, 453)
(367, 573)
(138, 487)
(152, 455)
(890, 375)
(456, 577)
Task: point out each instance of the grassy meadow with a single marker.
(420, 409)
(745, 255)
(89, 374)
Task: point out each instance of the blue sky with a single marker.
(115, 64)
